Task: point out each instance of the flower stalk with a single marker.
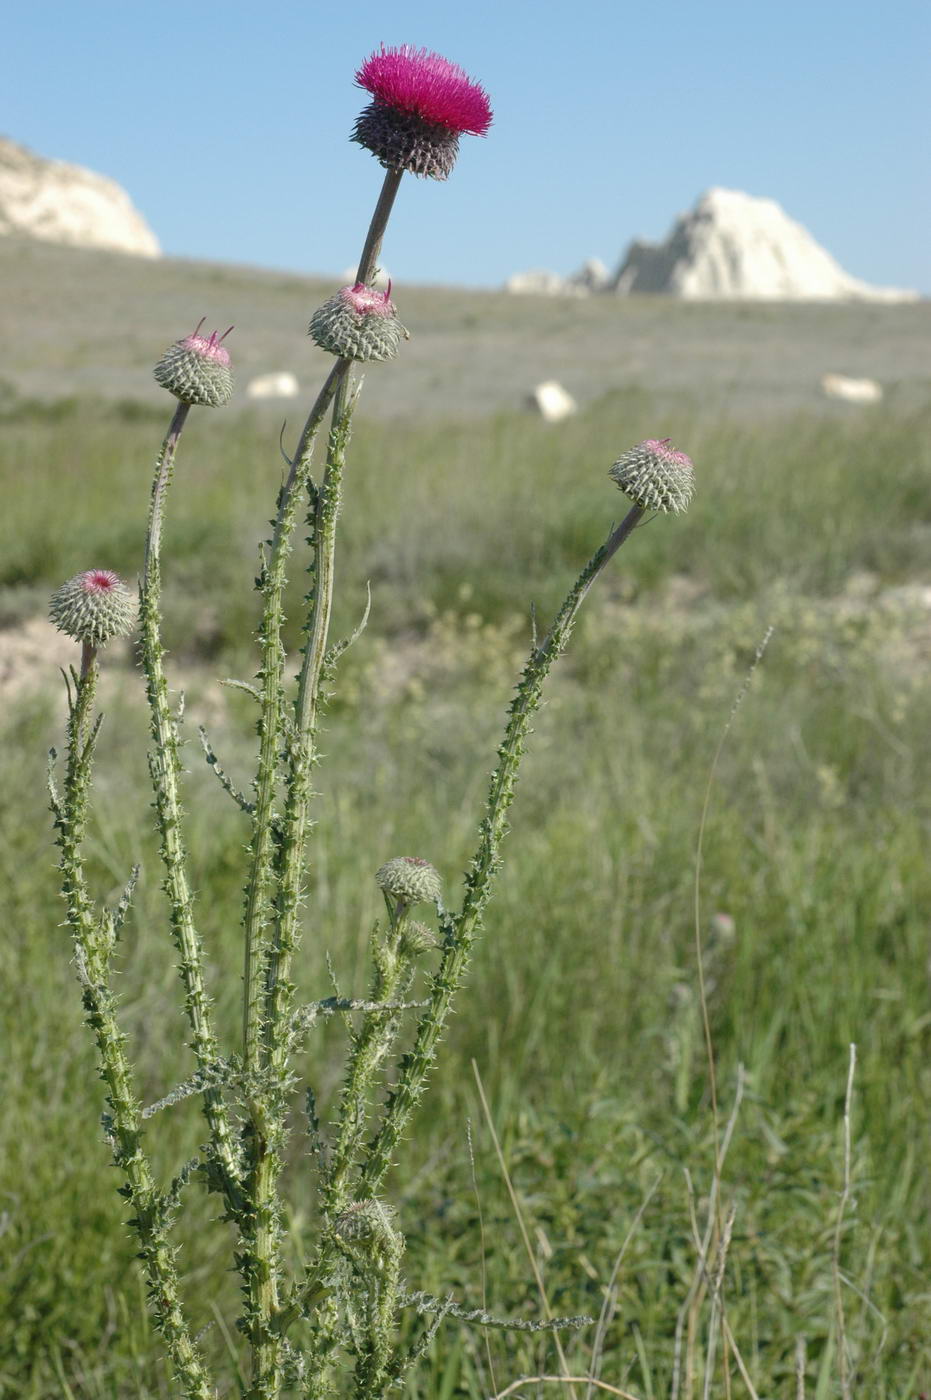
(459, 931)
(94, 938)
(165, 771)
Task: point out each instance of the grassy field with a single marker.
(582, 1014)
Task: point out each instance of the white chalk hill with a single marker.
(737, 247)
(61, 203)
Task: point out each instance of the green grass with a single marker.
(582, 1012)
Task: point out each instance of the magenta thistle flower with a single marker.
(93, 607)
(422, 105)
(197, 369)
(358, 323)
(655, 476)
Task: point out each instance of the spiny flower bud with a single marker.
(417, 938)
(368, 1220)
(358, 324)
(655, 476)
(410, 880)
(93, 607)
(197, 370)
(422, 105)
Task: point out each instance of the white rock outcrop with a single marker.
(735, 246)
(280, 384)
(60, 203)
(552, 402)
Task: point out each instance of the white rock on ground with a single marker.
(552, 402)
(838, 386)
(60, 203)
(537, 282)
(734, 246)
(281, 384)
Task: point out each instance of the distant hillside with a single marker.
(78, 321)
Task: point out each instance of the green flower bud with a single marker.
(93, 607)
(410, 880)
(655, 476)
(417, 938)
(358, 324)
(197, 370)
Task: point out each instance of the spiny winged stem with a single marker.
(300, 750)
(93, 943)
(300, 755)
(460, 930)
(165, 769)
(258, 885)
(265, 1133)
(394, 972)
(259, 1258)
(268, 1111)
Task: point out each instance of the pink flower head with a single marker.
(428, 86)
(99, 581)
(365, 301)
(661, 448)
(212, 347)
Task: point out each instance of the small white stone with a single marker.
(279, 385)
(838, 386)
(552, 402)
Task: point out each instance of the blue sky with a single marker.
(228, 124)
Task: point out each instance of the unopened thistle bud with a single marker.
(197, 370)
(422, 105)
(410, 880)
(368, 1220)
(358, 324)
(93, 607)
(655, 476)
(417, 938)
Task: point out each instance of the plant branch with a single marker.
(165, 769)
(460, 930)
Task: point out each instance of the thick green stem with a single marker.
(265, 1029)
(123, 1123)
(165, 768)
(268, 1114)
(460, 930)
(370, 1047)
(300, 749)
(258, 886)
(265, 1133)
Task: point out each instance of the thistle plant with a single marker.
(334, 1327)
